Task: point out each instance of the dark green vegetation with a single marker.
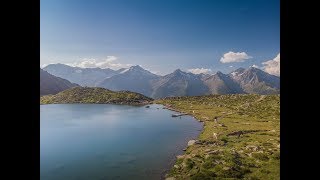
(95, 95)
(243, 142)
(50, 84)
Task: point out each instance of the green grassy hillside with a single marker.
(95, 95)
(244, 142)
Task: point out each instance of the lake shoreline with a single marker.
(171, 164)
(239, 130)
(127, 104)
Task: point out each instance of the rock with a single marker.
(191, 142)
(215, 152)
(252, 148)
(180, 156)
(170, 178)
(207, 150)
(176, 166)
(184, 165)
(222, 125)
(205, 117)
(184, 149)
(219, 162)
(147, 106)
(226, 168)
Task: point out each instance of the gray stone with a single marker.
(180, 156)
(191, 142)
(215, 152)
(170, 178)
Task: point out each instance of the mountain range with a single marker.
(135, 79)
(177, 83)
(82, 76)
(50, 84)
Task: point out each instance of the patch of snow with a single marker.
(234, 73)
(124, 71)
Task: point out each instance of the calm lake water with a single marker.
(99, 142)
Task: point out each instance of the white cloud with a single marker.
(234, 57)
(199, 71)
(109, 62)
(272, 66)
(255, 66)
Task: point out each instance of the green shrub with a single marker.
(189, 164)
(201, 176)
(260, 156)
(276, 155)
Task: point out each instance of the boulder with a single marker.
(252, 148)
(170, 178)
(191, 142)
(215, 152)
(225, 168)
(180, 156)
(207, 150)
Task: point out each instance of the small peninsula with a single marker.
(89, 95)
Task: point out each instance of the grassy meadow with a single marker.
(240, 139)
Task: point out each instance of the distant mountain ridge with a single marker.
(82, 76)
(177, 83)
(220, 83)
(50, 84)
(134, 79)
(256, 81)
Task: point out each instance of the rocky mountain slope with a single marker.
(50, 84)
(82, 76)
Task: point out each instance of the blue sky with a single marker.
(160, 35)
